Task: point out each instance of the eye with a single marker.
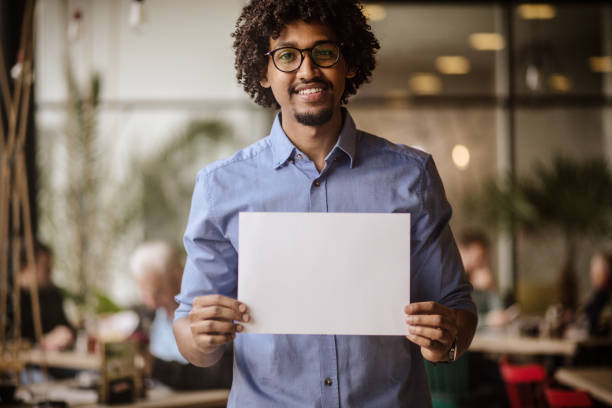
(325, 52)
(286, 55)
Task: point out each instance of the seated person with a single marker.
(157, 269)
(474, 250)
(599, 299)
(57, 332)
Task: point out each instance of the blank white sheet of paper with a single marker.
(324, 273)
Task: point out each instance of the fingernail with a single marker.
(239, 328)
(411, 328)
(409, 319)
(246, 317)
(242, 307)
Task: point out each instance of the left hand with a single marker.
(433, 327)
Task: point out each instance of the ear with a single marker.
(264, 81)
(351, 73)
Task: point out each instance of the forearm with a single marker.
(189, 349)
(466, 326)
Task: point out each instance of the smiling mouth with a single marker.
(309, 91)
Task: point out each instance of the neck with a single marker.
(315, 141)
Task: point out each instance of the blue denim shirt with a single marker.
(363, 173)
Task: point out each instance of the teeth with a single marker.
(310, 91)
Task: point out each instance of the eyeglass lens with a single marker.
(289, 59)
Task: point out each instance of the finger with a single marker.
(424, 341)
(208, 341)
(426, 308)
(436, 334)
(212, 327)
(442, 321)
(219, 300)
(217, 312)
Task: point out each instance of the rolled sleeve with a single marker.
(211, 258)
(437, 268)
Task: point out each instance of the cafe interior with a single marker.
(110, 108)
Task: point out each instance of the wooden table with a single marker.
(158, 397)
(597, 381)
(176, 399)
(63, 359)
(501, 343)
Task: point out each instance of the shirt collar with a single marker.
(347, 140)
(282, 148)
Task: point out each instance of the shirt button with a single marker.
(317, 183)
(298, 156)
(328, 382)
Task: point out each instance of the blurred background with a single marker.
(132, 97)
(488, 89)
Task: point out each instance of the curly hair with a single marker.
(262, 19)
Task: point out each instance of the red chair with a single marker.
(566, 398)
(524, 384)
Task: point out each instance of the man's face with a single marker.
(42, 271)
(156, 291)
(600, 272)
(311, 94)
(474, 256)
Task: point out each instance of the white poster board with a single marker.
(325, 273)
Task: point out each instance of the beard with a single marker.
(314, 118)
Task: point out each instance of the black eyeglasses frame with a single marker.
(301, 51)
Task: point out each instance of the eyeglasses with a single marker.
(289, 59)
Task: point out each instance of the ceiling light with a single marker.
(487, 41)
(453, 65)
(536, 11)
(559, 82)
(601, 64)
(374, 12)
(460, 156)
(424, 83)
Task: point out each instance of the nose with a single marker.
(308, 68)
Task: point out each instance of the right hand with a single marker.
(211, 321)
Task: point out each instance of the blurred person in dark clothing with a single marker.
(157, 269)
(474, 249)
(57, 332)
(599, 300)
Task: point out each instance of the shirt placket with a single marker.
(328, 354)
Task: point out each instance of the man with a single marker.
(474, 248)
(308, 57)
(600, 273)
(157, 270)
(57, 332)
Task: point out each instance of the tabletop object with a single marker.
(597, 381)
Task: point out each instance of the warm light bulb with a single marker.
(601, 64)
(452, 65)
(537, 11)
(460, 156)
(487, 41)
(559, 83)
(424, 83)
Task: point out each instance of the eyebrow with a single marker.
(292, 44)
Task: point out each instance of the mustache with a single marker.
(313, 81)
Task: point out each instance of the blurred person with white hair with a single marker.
(157, 269)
